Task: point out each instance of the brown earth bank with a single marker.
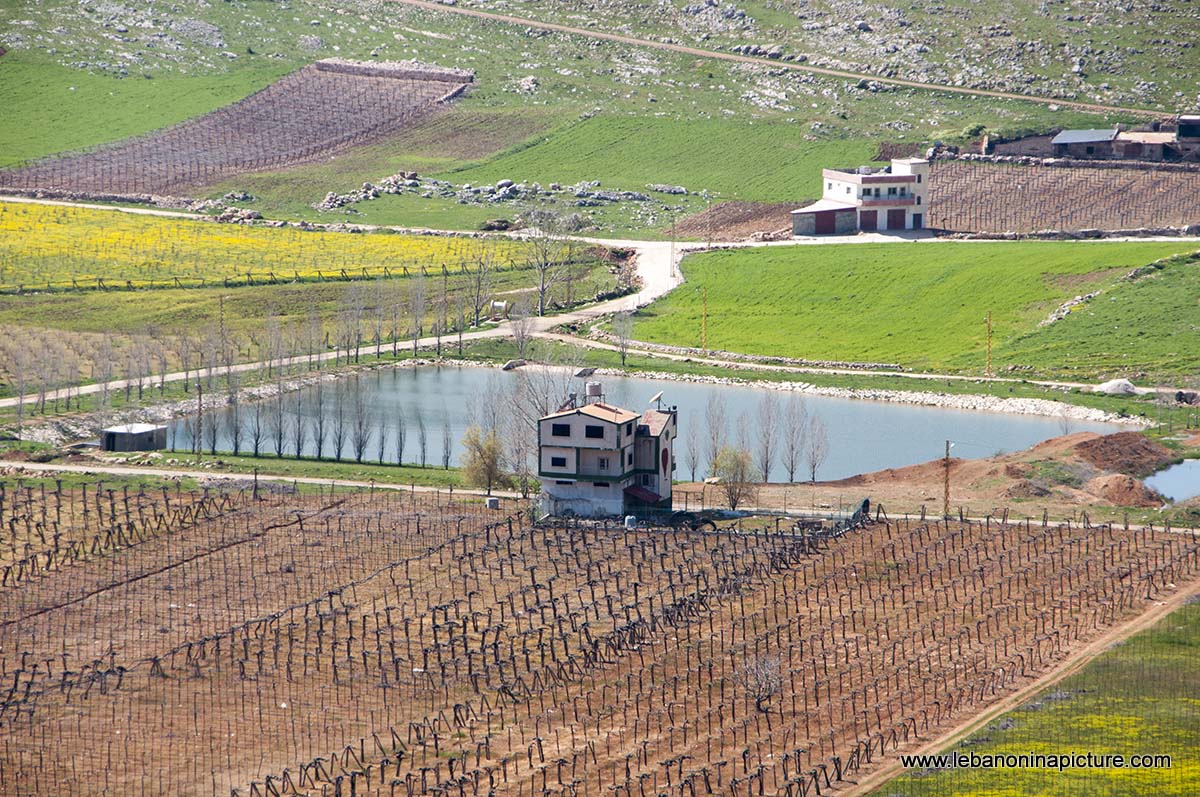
(1062, 476)
(735, 221)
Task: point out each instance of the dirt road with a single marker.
(745, 59)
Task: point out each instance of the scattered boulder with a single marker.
(1116, 387)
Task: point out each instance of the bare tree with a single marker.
(735, 468)
(416, 307)
(623, 328)
(691, 437)
(362, 423)
(521, 324)
(234, 416)
(184, 348)
(714, 418)
(320, 422)
(480, 284)
(1066, 423)
(446, 441)
(300, 426)
(422, 438)
(761, 677)
(276, 423)
(768, 431)
(401, 434)
(795, 423)
(258, 428)
(816, 446)
(212, 430)
(339, 421)
(547, 252)
(381, 445)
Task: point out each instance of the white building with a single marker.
(596, 459)
(895, 197)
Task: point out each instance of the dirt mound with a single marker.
(1025, 489)
(1131, 453)
(1121, 490)
(730, 221)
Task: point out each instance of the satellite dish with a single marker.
(656, 398)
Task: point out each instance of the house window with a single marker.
(1091, 150)
(630, 458)
(918, 200)
(560, 430)
(848, 189)
(558, 462)
(594, 432)
(828, 186)
(603, 463)
(600, 484)
(561, 481)
(918, 178)
(645, 480)
(629, 428)
(891, 190)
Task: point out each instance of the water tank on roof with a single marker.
(593, 390)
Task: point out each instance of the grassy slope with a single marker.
(922, 305)
(761, 161)
(307, 467)
(1136, 698)
(51, 108)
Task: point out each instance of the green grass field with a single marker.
(924, 306)
(1137, 698)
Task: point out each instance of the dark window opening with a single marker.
(594, 432)
(918, 178)
(603, 463)
(560, 481)
(600, 484)
(560, 430)
(558, 462)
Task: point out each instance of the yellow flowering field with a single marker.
(66, 247)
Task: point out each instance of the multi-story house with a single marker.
(595, 459)
(866, 199)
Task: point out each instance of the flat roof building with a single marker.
(867, 199)
(133, 437)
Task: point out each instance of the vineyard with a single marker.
(394, 644)
(311, 114)
(981, 197)
(65, 248)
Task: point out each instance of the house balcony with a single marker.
(888, 201)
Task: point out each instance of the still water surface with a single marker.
(863, 435)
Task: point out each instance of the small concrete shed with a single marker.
(134, 437)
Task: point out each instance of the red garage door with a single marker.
(868, 221)
(826, 222)
(896, 219)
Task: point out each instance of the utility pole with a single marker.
(988, 370)
(946, 483)
(704, 324)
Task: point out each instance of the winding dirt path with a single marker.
(758, 61)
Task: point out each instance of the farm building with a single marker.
(595, 459)
(1151, 145)
(133, 437)
(867, 199)
(1084, 143)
